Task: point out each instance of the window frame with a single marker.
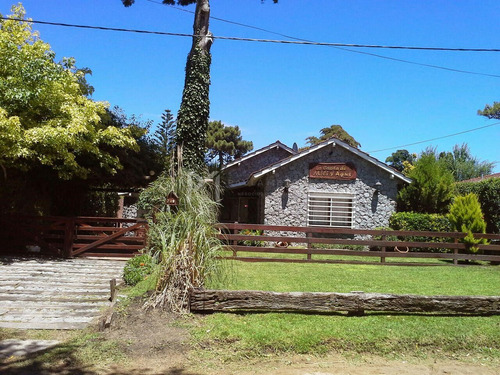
(330, 209)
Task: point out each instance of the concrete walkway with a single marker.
(55, 293)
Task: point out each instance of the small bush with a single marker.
(250, 232)
(420, 222)
(138, 269)
(466, 216)
(413, 221)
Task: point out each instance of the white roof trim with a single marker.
(332, 141)
(277, 144)
(237, 185)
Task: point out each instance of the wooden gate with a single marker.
(73, 236)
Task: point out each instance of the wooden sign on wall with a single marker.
(333, 171)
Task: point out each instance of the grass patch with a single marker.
(78, 352)
(475, 338)
(344, 278)
(391, 336)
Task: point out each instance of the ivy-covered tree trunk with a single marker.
(192, 120)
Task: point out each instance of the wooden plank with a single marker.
(44, 325)
(124, 247)
(82, 219)
(329, 230)
(361, 253)
(89, 237)
(110, 255)
(107, 239)
(248, 300)
(341, 241)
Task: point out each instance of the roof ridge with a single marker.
(278, 143)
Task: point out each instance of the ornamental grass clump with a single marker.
(466, 216)
(183, 237)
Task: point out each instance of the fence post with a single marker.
(69, 232)
(455, 252)
(234, 243)
(382, 257)
(309, 246)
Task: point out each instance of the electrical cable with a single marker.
(337, 47)
(258, 40)
(434, 139)
(295, 41)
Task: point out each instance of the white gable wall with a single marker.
(371, 209)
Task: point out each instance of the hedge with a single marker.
(413, 221)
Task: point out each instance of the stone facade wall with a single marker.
(130, 211)
(371, 209)
(242, 172)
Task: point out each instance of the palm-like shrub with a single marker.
(183, 238)
(466, 216)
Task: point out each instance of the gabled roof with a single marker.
(255, 176)
(276, 144)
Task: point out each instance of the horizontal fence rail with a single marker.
(73, 236)
(275, 243)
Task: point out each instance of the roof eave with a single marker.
(332, 141)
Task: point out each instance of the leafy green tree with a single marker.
(140, 164)
(40, 191)
(45, 117)
(397, 159)
(466, 216)
(491, 111)
(225, 143)
(431, 190)
(333, 131)
(463, 165)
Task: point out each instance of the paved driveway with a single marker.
(54, 294)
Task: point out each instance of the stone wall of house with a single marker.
(130, 211)
(239, 173)
(371, 209)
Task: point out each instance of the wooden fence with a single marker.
(72, 236)
(332, 245)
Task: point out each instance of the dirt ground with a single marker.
(159, 345)
(155, 343)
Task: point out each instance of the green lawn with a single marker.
(476, 338)
(343, 278)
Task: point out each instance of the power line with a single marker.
(337, 47)
(434, 139)
(296, 41)
(300, 42)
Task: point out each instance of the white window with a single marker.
(330, 210)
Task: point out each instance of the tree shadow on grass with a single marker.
(61, 360)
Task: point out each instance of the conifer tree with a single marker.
(164, 138)
(466, 216)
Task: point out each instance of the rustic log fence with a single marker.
(328, 245)
(355, 303)
(73, 236)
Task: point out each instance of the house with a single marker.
(329, 184)
(482, 178)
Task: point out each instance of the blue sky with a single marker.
(290, 92)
